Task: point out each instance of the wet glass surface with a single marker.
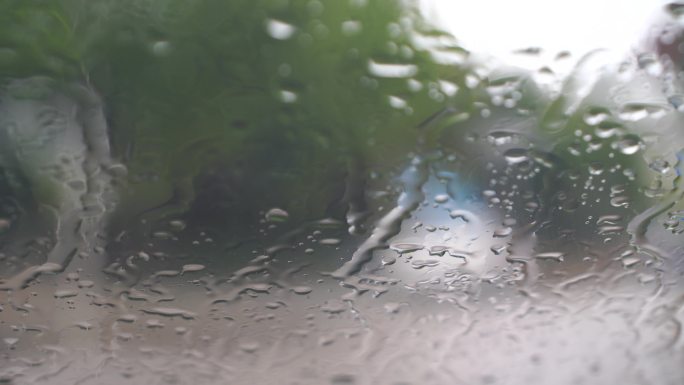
(333, 192)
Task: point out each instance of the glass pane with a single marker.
(341, 192)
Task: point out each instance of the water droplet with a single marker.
(301, 290)
(154, 324)
(391, 70)
(170, 312)
(629, 144)
(463, 215)
(334, 307)
(448, 88)
(421, 263)
(277, 215)
(553, 256)
(351, 27)
(65, 293)
(596, 168)
(249, 347)
(387, 260)
(646, 278)
(330, 241)
(279, 29)
(397, 102)
(607, 129)
(405, 247)
(162, 235)
(11, 342)
(392, 307)
(596, 115)
(636, 111)
(191, 268)
(500, 138)
(610, 229)
(437, 250)
(630, 261)
(5, 225)
(84, 325)
(610, 219)
(161, 48)
(620, 201)
(660, 165)
(128, 318)
(287, 96)
(516, 155)
(85, 284)
(498, 249)
(503, 232)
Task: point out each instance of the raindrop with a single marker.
(414, 85)
(503, 232)
(351, 27)
(498, 249)
(607, 129)
(65, 293)
(11, 342)
(619, 201)
(630, 261)
(5, 225)
(162, 235)
(608, 219)
(553, 256)
(419, 264)
(392, 307)
(636, 111)
(84, 325)
(334, 307)
(677, 101)
(170, 312)
(596, 168)
(85, 284)
(330, 241)
(391, 70)
(448, 88)
(460, 214)
(516, 155)
(660, 165)
(277, 215)
(154, 324)
(191, 268)
(161, 48)
(596, 115)
(388, 260)
(301, 290)
(610, 229)
(406, 247)
(500, 138)
(629, 144)
(287, 96)
(397, 102)
(128, 318)
(279, 29)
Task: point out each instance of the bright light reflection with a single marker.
(498, 27)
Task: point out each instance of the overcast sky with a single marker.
(500, 26)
